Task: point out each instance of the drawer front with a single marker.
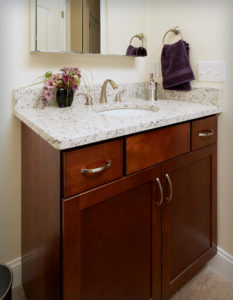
(92, 166)
(150, 148)
(204, 132)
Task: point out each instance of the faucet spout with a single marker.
(103, 95)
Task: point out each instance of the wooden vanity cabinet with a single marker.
(188, 217)
(141, 234)
(111, 240)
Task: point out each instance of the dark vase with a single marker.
(64, 100)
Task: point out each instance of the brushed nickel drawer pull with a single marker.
(168, 199)
(206, 134)
(97, 170)
(161, 192)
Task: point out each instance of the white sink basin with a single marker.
(128, 112)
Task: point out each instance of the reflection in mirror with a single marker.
(91, 26)
(59, 25)
(74, 25)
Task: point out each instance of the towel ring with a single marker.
(139, 36)
(176, 30)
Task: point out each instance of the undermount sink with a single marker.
(126, 112)
(129, 112)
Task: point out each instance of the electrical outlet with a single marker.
(212, 71)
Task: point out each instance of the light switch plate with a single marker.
(212, 71)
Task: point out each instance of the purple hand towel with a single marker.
(141, 51)
(176, 70)
(133, 51)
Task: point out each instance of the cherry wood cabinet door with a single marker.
(188, 217)
(111, 241)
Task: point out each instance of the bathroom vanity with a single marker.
(128, 217)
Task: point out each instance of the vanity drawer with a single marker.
(204, 132)
(150, 148)
(89, 167)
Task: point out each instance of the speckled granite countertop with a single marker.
(81, 125)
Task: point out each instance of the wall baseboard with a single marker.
(225, 255)
(16, 266)
(222, 264)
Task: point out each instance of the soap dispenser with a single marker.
(152, 89)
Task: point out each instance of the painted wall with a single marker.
(205, 28)
(124, 21)
(20, 68)
(206, 25)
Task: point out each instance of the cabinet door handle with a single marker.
(161, 192)
(97, 170)
(207, 133)
(168, 199)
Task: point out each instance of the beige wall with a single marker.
(124, 19)
(204, 27)
(20, 68)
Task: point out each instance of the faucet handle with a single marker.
(88, 98)
(118, 95)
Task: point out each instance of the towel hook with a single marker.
(176, 30)
(140, 36)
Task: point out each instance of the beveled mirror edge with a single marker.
(93, 54)
(32, 12)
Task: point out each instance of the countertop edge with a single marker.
(108, 135)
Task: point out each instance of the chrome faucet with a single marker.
(103, 96)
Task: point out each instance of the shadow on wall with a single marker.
(119, 68)
(83, 60)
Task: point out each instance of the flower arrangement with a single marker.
(68, 78)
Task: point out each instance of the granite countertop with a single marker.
(81, 125)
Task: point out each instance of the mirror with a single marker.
(85, 26)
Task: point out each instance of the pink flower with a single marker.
(71, 71)
(74, 87)
(76, 71)
(65, 78)
(49, 84)
(65, 70)
(55, 77)
(46, 94)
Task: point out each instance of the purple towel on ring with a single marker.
(176, 70)
(133, 51)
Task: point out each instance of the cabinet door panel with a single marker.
(189, 226)
(107, 241)
(115, 265)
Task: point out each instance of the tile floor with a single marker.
(206, 285)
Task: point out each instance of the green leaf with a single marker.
(48, 74)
